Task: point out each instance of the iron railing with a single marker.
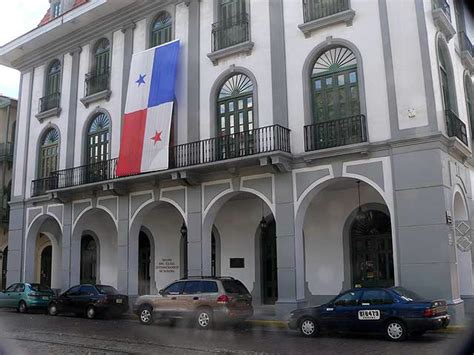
(97, 82)
(49, 102)
(335, 133)
(261, 140)
(316, 9)
(465, 43)
(444, 6)
(229, 32)
(456, 127)
(6, 151)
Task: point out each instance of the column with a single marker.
(123, 247)
(194, 225)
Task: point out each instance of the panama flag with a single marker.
(144, 145)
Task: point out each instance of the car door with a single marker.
(5, 296)
(191, 297)
(345, 307)
(87, 294)
(17, 295)
(374, 309)
(167, 303)
(66, 301)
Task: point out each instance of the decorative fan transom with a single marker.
(376, 223)
(236, 85)
(162, 20)
(333, 60)
(51, 137)
(100, 123)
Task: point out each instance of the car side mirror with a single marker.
(161, 292)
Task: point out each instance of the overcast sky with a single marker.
(17, 17)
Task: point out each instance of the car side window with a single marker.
(209, 287)
(11, 288)
(375, 297)
(20, 288)
(174, 289)
(192, 287)
(88, 291)
(74, 291)
(348, 299)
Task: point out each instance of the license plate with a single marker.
(45, 298)
(118, 300)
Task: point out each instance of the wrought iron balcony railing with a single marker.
(444, 6)
(465, 43)
(316, 9)
(261, 140)
(229, 32)
(335, 133)
(6, 151)
(456, 127)
(97, 82)
(49, 102)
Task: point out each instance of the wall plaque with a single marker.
(237, 263)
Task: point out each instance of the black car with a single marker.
(89, 300)
(396, 312)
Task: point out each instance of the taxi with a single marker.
(395, 312)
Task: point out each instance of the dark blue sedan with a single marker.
(396, 312)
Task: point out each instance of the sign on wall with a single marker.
(167, 265)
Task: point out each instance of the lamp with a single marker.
(361, 215)
(184, 230)
(263, 222)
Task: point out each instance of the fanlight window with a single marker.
(236, 85)
(48, 158)
(333, 60)
(161, 29)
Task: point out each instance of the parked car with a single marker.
(89, 300)
(396, 312)
(204, 300)
(25, 296)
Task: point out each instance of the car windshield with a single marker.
(40, 288)
(234, 286)
(407, 295)
(107, 290)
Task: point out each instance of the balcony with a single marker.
(442, 18)
(97, 87)
(49, 106)
(322, 13)
(467, 51)
(6, 151)
(230, 36)
(335, 133)
(239, 145)
(456, 127)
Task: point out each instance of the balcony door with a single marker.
(232, 23)
(46, 261)
(48, 159)
(235, 118)
(98, 147)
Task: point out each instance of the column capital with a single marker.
(128, 26)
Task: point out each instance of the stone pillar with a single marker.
(123, 246)
(15, 242)
(66, 247)
(72, 113)
(194, 225)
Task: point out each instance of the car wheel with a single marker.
(146, 315)
(22, 308)
(53, 309)
(308, 327)
(395, 330)
(90, 312)
(204, 318)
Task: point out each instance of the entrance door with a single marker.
(372, 254)
(144, 261)
(3, 285)
(88, 260)
(45, 271)
(269, 264)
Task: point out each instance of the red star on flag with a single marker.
(157, 137)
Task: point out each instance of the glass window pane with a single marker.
(249, 102)
(241, 104)
(192, 287)
(231, 106)
(340, 79)
(328, 81)
(231, 119)
(353, 77)
(209, 287)
(317, 84)
(250, 116)
(222, 108)
(222, 122)
(241, 118)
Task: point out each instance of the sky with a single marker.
(16, 18)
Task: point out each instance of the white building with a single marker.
(317, 145)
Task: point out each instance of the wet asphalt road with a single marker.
(41, 334)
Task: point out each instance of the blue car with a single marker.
(395, 312)
(25, 296)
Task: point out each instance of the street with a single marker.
(41, 334)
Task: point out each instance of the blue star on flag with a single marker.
(141, 79)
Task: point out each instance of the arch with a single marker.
(446, 74)
(308, 69)
(49, 145)
(216, 87)
(161, 29)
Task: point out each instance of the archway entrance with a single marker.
(88, 260)
(4, 269)
(371, 249)
(45, 268)
(268, 252)
(144, 262)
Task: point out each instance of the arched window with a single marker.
(235, 105)
(53, 77)
(335, 85)
(469, 94)
(48, 155)
(161, 29)
(98, 139)
(102, 56)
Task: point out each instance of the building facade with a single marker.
(8, 110)
(316, 145)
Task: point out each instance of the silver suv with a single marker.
(204, 300)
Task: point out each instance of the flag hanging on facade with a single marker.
(144, 145)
